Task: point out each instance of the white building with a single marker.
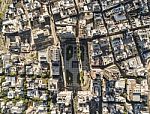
(53, 84)
(64, 98)
(11, 94)
(83, 98)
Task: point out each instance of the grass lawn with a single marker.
(69, 52)
(69, 77)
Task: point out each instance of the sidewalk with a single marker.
(148, 80)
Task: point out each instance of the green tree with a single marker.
(1, 15)
(18, 5)
(82, 76)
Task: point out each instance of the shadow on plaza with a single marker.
(71, 64)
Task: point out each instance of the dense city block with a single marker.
(74, 56)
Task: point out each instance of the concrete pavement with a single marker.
(68, 64)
